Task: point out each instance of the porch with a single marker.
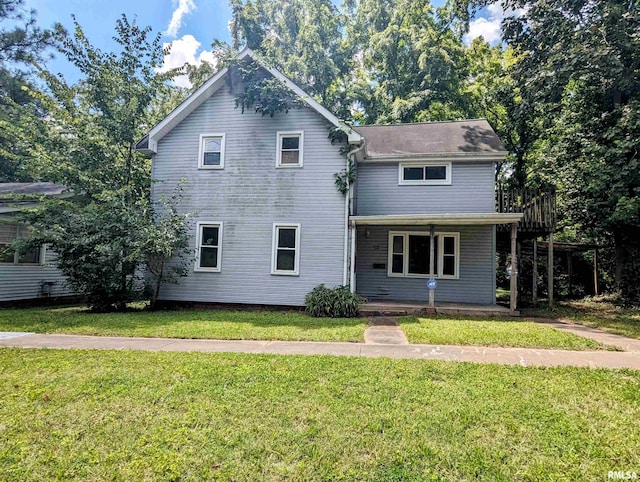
(407, 308)
(393, 257)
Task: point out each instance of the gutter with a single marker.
(348, 198)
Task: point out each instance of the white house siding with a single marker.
(472, 190)
(476, 283)
(23, 282)
(249, 195)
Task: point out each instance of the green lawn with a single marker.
(448, 331)
(107, 415)
(598, 313)
(220, 324)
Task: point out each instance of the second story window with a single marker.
(432, 173)
(211, 155)
(290, 149)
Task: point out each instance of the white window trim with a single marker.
(279, 136)
(16, 253)
(405, 255)
(424, 182)
(197, 266)
(203, 137)
(274, 249)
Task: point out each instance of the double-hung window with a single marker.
(211, 153)
(208, 246)
(410, 254)
(9, 234)
(289, 149)
(286, 249)
(436, 173)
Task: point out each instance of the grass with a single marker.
(599, 313)
(218, 324)
(447, 331)
(107, 415)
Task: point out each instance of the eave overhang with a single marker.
(437, 219)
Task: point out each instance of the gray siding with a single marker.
(249, 195)
(23, 282)
(471, 191)
(476, 283)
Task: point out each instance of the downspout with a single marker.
(347, 204)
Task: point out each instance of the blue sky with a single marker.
(190, 25)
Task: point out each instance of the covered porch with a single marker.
(393, 258)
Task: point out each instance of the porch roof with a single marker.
(437, 219)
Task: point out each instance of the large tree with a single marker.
(581, 63)
(87, 142)
(21, 42)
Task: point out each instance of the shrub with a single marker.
(338, 302)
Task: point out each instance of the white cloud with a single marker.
(488, 26)
(184, 7)
(185, 51)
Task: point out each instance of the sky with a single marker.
(188, 25)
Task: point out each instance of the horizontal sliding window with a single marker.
(410, 254)
(432, 173)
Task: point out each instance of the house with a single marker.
(29, 274)
(271, 224)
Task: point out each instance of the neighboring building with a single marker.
(272, 225)
(32, 273)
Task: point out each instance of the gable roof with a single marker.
(467, 138)
(149, 143)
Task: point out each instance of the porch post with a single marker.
(534, 286)
(550, 270)
(514, 268)
(352, 261)
(432, 250)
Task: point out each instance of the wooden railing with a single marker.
(538, 207)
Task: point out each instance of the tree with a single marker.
(87, 142)
(20, 43)
(581, 61)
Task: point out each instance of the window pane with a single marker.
(436, 172)
(290, 157)
(286, 238)
(209, 236)
(449, 245)
(286, 260)
(6, 254)
(29, 256)
(213, 145)
(8, 233)
(291, 142)
(413, 173)
(419, 254)
(208, 257)
(211, 158)
(397, 262)
(449, 265)
(397, 244)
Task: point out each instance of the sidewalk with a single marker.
(507, 356)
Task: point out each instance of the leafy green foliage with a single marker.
(105, 233)
(337, 302)
(346, 178)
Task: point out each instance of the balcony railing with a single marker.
(538, 207)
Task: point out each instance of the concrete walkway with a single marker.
(384, 330)
(506, 356)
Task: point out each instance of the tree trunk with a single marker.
(628, 263)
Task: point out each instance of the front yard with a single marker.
(599, 313)
(98, 415)
(487, 332)
(217, 324)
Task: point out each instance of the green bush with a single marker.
(338, 302)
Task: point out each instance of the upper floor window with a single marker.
(410, 254)
(211, 154)
(10, 233)
(423, 173)
(290, 149)
(208, 246)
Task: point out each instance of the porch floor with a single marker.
(401, 308)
